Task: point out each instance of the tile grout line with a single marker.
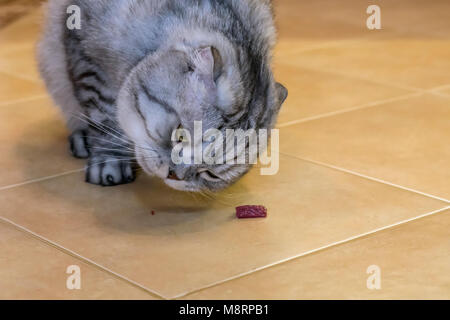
(40, 179)
(21, 100)
(443, 87)
(360, 107)
(325, 45)
(330, 44)
(357, 77)
(440, 94)
(21, 77)
(434, 90)
(417, 93)
(80, 257)
(367, 177)
(328, 246)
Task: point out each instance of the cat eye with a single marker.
(189, 68)
(210, 176)
(179, 134)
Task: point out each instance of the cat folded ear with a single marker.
(282, 93)
(210, 57)
(218, 63)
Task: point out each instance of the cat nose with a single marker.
(172, 175)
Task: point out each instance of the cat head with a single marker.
(171, 91)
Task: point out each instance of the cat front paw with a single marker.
(108, 171)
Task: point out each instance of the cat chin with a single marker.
(181, 185)
(152, 170)
(176, 185)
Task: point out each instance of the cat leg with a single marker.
(110, 154)
(78, 144)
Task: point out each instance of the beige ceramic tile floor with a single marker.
(31, 268)
(363, 178)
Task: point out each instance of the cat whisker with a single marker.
(109, 161)
(112, 149)
(101, 127)
(104, 127)
(111, 142)
(116, 134)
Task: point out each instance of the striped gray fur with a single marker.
(137, 70)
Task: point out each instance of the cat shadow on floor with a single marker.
(146, 207)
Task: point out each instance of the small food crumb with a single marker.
(247, 212)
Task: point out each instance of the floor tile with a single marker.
(11, 11)
(402, 17)
(31, 269)
(20, 61)
(18, 46)
(309, 26)
(415, 63)
(33, 142)
(413, 259)
(306, 24)
(405, 142)
(191, 241)
(312, 93)
(25, 30)
(417, 17)
(13, 88)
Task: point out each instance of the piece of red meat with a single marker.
(246, 212)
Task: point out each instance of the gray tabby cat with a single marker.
(139, 69)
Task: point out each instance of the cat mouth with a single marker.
(173, 176)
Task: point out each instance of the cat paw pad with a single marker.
(109, 172)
